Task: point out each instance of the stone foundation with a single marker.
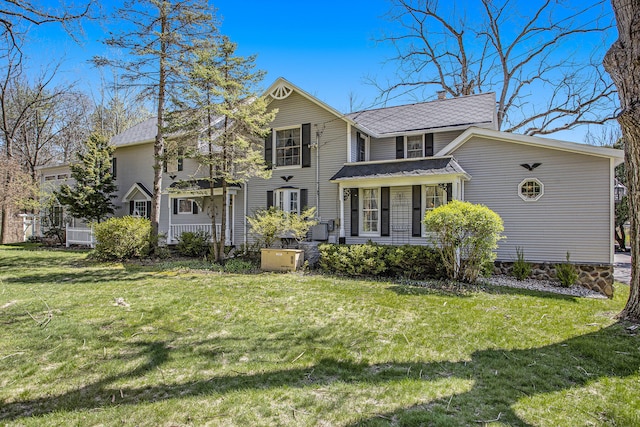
(597, 277)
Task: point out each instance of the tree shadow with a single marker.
(500, 378)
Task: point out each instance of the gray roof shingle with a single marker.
(142, 132)
(442, 113)
(400, 168)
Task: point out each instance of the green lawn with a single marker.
(195, 347)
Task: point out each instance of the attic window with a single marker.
(531, 189)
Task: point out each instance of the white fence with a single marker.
(80, 236)
(177, 229)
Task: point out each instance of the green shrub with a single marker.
(353, 260)
(271, 224)
(466, 235)
(567, 273)
(193, 244)
(521, 268)
(414, 262)
(122, 238)
(239, 266)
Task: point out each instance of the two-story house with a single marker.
(373, 174)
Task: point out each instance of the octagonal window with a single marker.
(531, 189)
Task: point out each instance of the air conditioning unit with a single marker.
(320, 232)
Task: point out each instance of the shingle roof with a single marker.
(401, 168)
(473, 110)
(142, 132)
(198, 184)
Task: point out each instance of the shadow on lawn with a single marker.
(500, 379)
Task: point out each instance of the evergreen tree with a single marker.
(92, 196)
(222, 107)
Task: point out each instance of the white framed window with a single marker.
(50, 178)
(414, 146)
(140, 208)
(370, 211)
(530, 189)
(288, 147)
(185, 206)
(288, 199)
(362, 149)
(434, 196)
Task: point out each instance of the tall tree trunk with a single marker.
(158, 146)
(622, 62)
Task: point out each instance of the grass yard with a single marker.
(97, 344)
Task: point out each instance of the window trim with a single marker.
(361, 215)
(185, 213)
(284, 195)
(274, 145)
(423, 202)
(530, 199)
(406, 146)
(144, 203)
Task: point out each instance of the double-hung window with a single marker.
(185, 206)
(288, 200)
(370, 211)
(140, 208)
(415, 146)
(435, 196)
(288, 147)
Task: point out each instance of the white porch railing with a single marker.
(177, 229)
(80, 236)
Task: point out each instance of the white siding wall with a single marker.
(383, 149)
(573, 215)
(134, 164)
(441, 139)
(293, 111)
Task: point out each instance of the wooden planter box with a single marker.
(281, 259)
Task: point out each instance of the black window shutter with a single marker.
(385, 196)
(180, 160)
(164, 166)
(399, 147)
(355, 214)
(269, 199)
(416, 229)
(195, 208)
(449, 192)
(114, 168)
(306, 145)
(428, 144)
(131, 208)
(268, 150)
(304, 199)
(175, 206)
(149, 209)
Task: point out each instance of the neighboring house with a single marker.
(373, 174)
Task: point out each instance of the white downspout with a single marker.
(244, 220)
(341, 196)
(169, 232)
(227, 226)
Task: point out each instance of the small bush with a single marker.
(414, 262)
(122, 238)
(193, 244)
(466, 235)
(353, 260)
(239, 266)
(521, 268)
(567, 273)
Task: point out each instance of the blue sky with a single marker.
(327, 48)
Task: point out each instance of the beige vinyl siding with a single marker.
(383, 149)
(135, 164)
(441, 139)
(294, 111)
(574, 214)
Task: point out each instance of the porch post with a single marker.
(341, 196)
(169, 233)
(227, 228)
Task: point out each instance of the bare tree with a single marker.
(622, 62)
(15, 15)
(160, 38)
(510, 47)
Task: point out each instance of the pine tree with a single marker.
(221, 105)
(92, 196)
